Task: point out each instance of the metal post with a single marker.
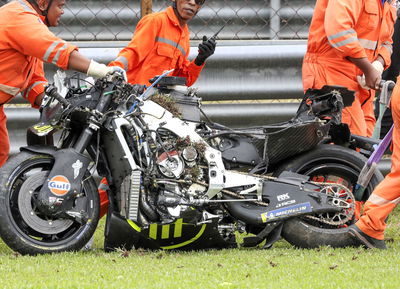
(275, 19)
(146, 7)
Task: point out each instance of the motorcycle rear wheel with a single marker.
(326, 163)
(22, 227)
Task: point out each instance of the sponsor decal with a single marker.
(55, 201)
(285, 203)
(286, 211)
(77, 168)
(283, 197)
(43, 128)
(59, 185)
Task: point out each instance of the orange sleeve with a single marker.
(142, 42)
(385, 49)
(189, 70)
(340, 19)
(386, 54)
(36, 85)
(30, 36)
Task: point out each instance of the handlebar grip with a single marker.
(52, 92)
(390, 86)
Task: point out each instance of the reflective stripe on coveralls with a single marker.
(27, 91)
(13, 91)
(172, 43)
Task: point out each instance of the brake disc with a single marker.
(32, 216)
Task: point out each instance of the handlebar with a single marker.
(52, 92)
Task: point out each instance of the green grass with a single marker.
(280, 267)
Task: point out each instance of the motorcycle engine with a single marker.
(180, 176)
(172, 185)
(172, 164)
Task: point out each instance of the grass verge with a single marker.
(280, 267)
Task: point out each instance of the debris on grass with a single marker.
(273, 264)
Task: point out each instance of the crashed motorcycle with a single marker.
(176, 181)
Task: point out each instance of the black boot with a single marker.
(363, 239)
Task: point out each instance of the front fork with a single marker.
(64, 183)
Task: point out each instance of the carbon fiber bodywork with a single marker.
(273, 143)
(292, 138)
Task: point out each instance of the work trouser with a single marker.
(103, 192)
(318, 72)
(4, 141)
(386, 195)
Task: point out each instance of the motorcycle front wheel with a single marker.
(332, 164)
(22, 227)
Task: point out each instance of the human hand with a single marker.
(206, 49)
(117, 69)
(372, 77)
(100, 70)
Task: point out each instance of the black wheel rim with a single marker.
(21, 173)
(329, 172)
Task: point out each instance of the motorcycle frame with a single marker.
(156, 116)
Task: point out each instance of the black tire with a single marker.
(326, 162)
(31, 233)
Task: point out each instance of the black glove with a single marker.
(206, 49)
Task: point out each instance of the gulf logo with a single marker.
(59, 185)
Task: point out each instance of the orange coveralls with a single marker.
(348, 28)
(386, 195)
(159, 43)
(25, 42)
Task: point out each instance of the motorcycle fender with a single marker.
(45, 150)
(64, 182)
